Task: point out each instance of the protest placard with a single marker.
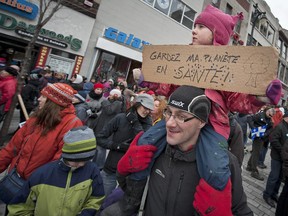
(231, 68)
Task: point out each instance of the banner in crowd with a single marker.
(231, 68)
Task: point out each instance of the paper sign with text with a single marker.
(231, 68)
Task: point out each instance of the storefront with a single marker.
(62, 42)
(119, 39)
(116, 58)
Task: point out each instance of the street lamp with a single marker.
(256, 16)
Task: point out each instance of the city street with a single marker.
(253, 188)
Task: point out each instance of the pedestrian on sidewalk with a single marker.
(282, 205)
(118, 133)
(261, 127)
(40, 140)
(8, 84)
(70, 186)
(278, 137)
(276, 119)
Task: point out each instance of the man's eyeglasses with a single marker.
(178, 117)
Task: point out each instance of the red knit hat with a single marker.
(150, 92)
(59, 93)
(219, 23)
(98, 85)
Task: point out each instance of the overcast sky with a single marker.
(279, 9)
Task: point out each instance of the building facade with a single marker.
(62, 42)
(123, 27)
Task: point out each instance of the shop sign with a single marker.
(45, 35)
(22, 8)
(78, 64)
(41, 38)
(123, 38)
(42, 56)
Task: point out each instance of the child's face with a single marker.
(76, 164)
(201, 35)
(98, 90)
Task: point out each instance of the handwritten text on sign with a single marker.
(230, 68)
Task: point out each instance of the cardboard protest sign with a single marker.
(230, 68)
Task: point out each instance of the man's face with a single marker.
(270, 112)
(201, 35)
(185, 134)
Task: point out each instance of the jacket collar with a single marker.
(176, 154)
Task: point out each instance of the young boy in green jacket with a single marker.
(71, 185)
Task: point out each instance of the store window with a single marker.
(284, 51)
(281, 72)
(63, 54)
(265, 29)
(238, 26)
(279, 44)
(286, 77)
(175, 9)
(229, 9)
(270, 34)
(62, 62)
(110, 65)
(216, 3)
(251, 43)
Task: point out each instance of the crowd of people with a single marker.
(184, 144)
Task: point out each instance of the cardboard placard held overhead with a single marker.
(230, 68)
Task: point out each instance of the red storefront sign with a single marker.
(42, 56)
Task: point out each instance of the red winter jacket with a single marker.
(222, 102)
(7, 90)
(34, 150)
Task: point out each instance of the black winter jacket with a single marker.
(260, 119)
(284, 154)
(173, 182)
(30, 94)
(110, 108)
(278, 137)
(124, 127)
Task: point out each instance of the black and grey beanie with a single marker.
(191, 99)
(79, 144)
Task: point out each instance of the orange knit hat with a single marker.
(59, 93)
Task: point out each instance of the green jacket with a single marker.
(55, 190)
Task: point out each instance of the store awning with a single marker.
(113, 47)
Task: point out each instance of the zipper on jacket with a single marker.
(68, 181)
(169, 181)
(171, 157)
(178, 191)
(180, 181)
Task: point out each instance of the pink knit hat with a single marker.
(59, 93)
(219, 23)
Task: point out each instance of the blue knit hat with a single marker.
(79, 144)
